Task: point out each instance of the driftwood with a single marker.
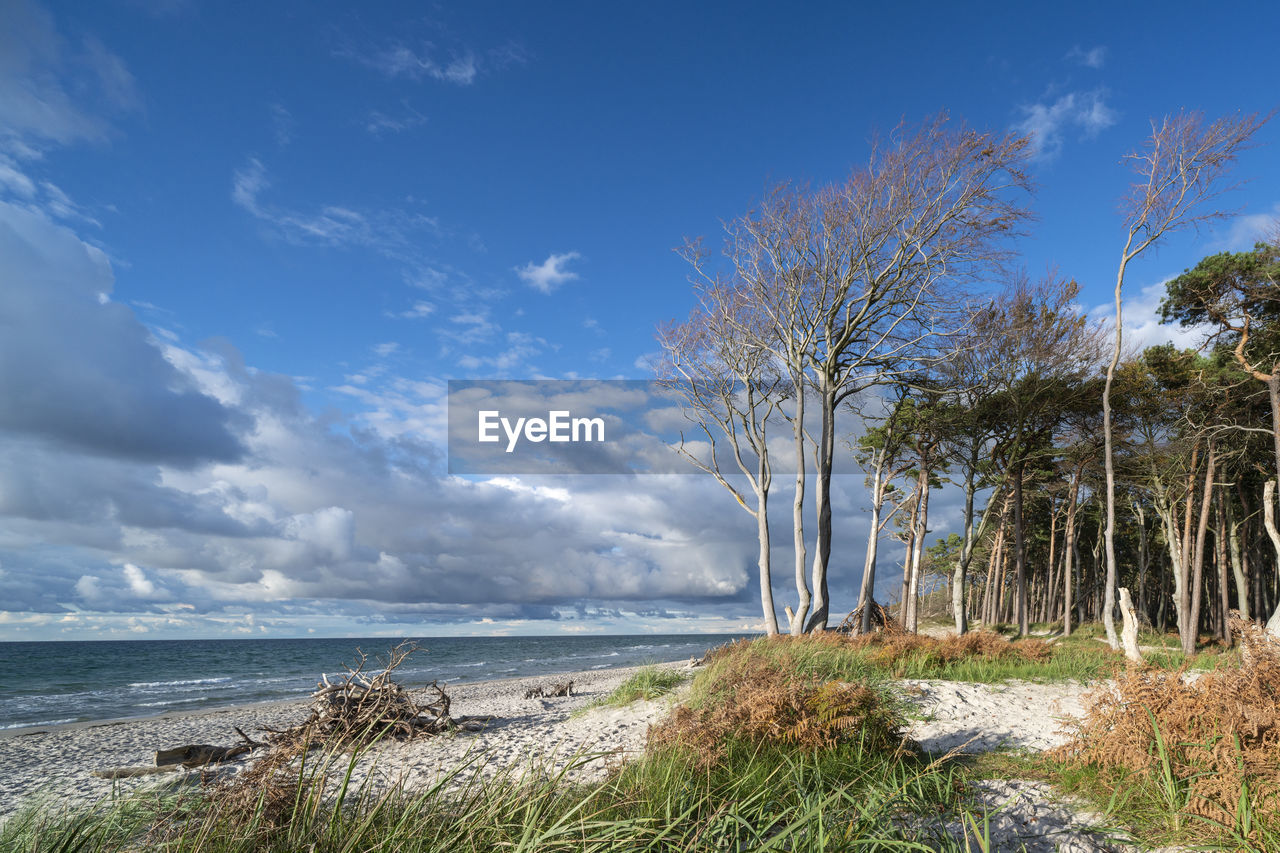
(880, 621)
(563, 688)
(187, 757)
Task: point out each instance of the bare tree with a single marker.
(931, 206)
(725, 381)
(766, 254)
(1180, 169)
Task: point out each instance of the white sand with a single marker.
(983, 717)
(547, 732)
(56, 761)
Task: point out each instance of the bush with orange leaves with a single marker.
(886, 650)
(1216, 737)
(760, 701)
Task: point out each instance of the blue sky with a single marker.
(306, 217)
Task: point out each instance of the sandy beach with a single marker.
(57, 761)
(548, 733)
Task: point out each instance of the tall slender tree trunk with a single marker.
(1189, 636)
(1108, 623)
(822, 501)
(1069, 547)
(913, 608)
(1020, 555)
(1237, 563)
(867, 593)
(764, 562)
(1220, 557)
(1143, 558)
(803, 597)
(1269, 520)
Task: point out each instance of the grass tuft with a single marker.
(648, 683)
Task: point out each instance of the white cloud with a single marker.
(417, 311)
(1047, 124)
(385, 349)
(550, 274)
(379, 122)
(1093, 58)
(1245, 231)
(391, 232)
(401, 61)
(139, 585)
(1140, 314)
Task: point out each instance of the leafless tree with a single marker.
(726, 384)
(932, 206)
(1180, 169)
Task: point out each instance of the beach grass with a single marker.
(854, 796)
(649, 682)
(834, 786)
(778, 744)
(877, 657)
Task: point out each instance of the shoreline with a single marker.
(282, 704)
(56, 762)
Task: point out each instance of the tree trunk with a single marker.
(822, 500)
(797, 619)
(764, 561)
(1192, 629)
(1108, 623)
(913, 608)
(1237, 563)
(1020, 556)
(1269, 519)
(1069, 548)
(1143, 558)
(1220, 557)
(867, 592)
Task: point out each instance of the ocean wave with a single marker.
(220, 680)
(169, 702)
(41, 723)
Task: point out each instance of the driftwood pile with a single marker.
(880, 621)
(348, 713)
(564, 688)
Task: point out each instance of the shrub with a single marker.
(1208, 748)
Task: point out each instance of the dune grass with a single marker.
(837, 776)
(647, 683)
(780, 744)
(978, 657)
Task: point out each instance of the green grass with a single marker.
(834, 661)
(849, 797)
(647, 683)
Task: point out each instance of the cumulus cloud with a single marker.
(1244, 231)
(80, 371)
(1141, 317)
(550, 274)
(1048, 123)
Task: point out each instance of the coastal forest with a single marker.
(886, 318)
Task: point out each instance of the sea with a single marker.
(52, 683)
